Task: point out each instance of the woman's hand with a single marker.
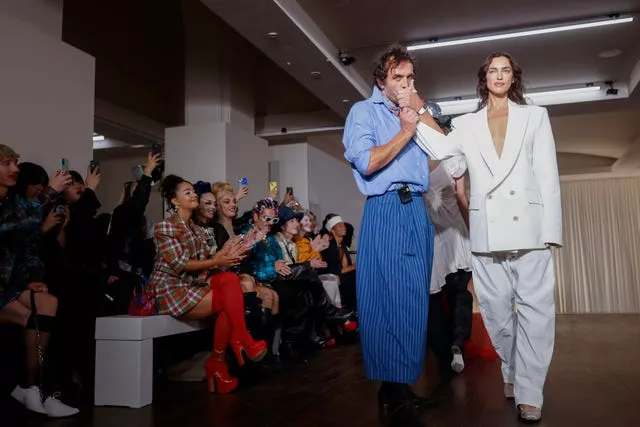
(282, 268)
(52, 220)
(231, 254)
(317, 263)
(243, 191)
(59, 181)
(38, 287)
(320, 243)
(153, 160)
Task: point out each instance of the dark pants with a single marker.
(453, 326)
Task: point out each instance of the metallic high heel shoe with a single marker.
(218, 378)
(529, 414)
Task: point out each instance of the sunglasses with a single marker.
(270, 219)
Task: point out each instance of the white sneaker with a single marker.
(457, 364)
(57, 409)
(30, 398)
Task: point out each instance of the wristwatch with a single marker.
(422, 110)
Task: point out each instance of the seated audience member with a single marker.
(302, 297)
(310, 250)
(447, 207)
(189, 285)
(260, 302)
(339, 260)
(24, 298)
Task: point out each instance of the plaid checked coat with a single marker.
(178, 291)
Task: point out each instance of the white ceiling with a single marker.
(311, 32)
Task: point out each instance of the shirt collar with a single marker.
(378, 98)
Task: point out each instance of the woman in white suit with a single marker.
(515, 217)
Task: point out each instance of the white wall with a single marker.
(46, 96)
(293, 170)
(46, 15)
(196, 152)
(117, 171)
(247, 156)
(332, 187)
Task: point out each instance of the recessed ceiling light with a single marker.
(98, 137)
(316, 74)
(611, 53)
(289, 63)
(272, 35)
(345, 100)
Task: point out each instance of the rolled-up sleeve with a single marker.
(359, 138)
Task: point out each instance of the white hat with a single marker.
(333, 221)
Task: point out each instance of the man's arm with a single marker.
(362, 149)
(382, 155)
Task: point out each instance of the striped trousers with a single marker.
(395, 254)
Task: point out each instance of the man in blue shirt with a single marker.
(396, 238)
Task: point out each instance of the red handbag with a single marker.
(143, 302)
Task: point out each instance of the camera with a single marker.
(345, 59)
(611, 91)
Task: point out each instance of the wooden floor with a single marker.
(594, 381)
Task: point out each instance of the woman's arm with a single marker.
(437, 145)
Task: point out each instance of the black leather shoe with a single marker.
(417, 401)
(404, 415)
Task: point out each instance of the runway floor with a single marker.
(594, 381)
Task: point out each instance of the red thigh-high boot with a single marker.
(218, 378)
(227, 285)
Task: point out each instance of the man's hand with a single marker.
(288, 198)
(59, 181)
(93, 178)
(153, 160)
(409, 98)
(282, 268)
(409, 120)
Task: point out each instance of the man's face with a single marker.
(8, 172)
(398, 78)
(265, 221)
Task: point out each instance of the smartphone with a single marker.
(93, 165)
(244, 182)
(64, 165)
(273, 186)
(156, 149)
(290, 190)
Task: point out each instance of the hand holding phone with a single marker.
(64, 165)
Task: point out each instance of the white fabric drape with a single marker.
(598, 269)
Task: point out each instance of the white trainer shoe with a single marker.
(30, 397)
(56, 409)
(457, 364)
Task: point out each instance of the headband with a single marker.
(333, 221)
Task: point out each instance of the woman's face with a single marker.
(292, 227)
(500, 76)
(33, 191)
(228, 205)
(305, 224)
(339, 230)
(74, 192)
(186, 197)
(207, 206)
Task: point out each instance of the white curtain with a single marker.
(598, 269)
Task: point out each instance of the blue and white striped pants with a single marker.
(395, 254)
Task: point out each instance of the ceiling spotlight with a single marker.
(316, 74)
(272, 35)
(612, 53)
(288, 63)
(97, 137)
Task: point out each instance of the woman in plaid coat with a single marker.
(189, 285)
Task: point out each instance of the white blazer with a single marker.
(515, 199)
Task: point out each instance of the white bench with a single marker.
(124, 356)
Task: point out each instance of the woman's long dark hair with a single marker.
(516, 91)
